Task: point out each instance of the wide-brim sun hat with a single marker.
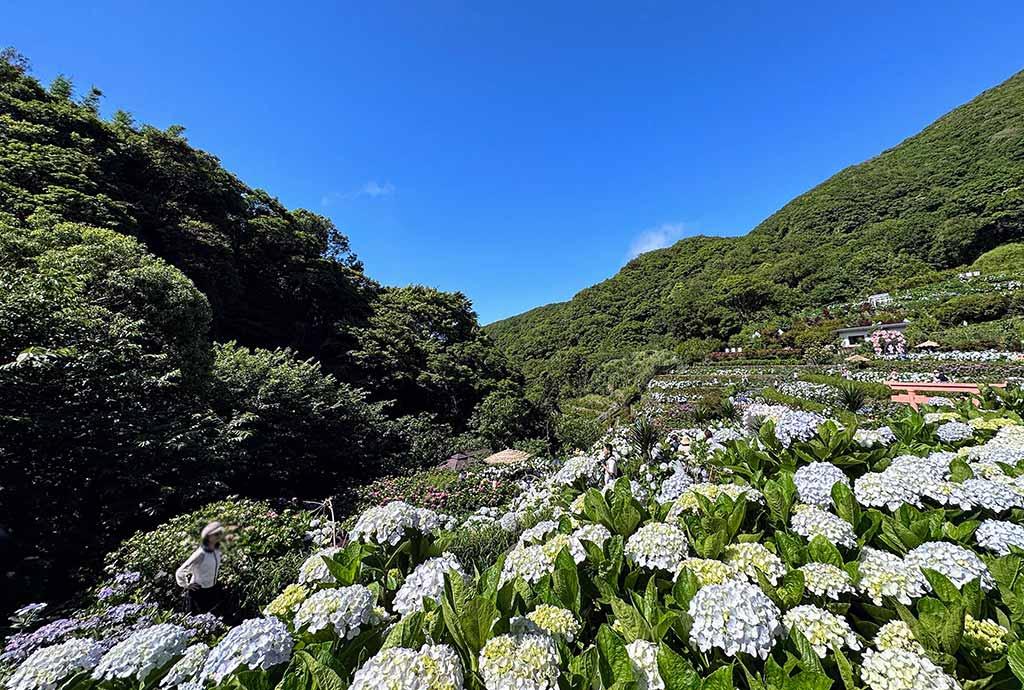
(212, 529)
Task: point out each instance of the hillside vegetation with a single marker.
(938, 200)
(169, 335)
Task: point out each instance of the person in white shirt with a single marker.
(198, 574)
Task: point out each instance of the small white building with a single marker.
(880, 300)
(854, 336)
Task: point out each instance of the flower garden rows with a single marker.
(782, 552)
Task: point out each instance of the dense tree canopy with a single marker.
(126, 256)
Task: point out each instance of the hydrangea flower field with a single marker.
(787, 550)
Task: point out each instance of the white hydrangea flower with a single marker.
(688, 500)
(589, 471)
(658, 545)
(674, 486)
(433, 667)
(873, 438)
(45, 668)
(348, 610)
(884, 490)
(814, 482)
(314, 569)
(593, 532)
(883, 574)
(538, 533)
(821, 628)
(707, 571)
(960, 565)
(258, 643)
(644, 657)
(390, 523)
(896, 669)
(954, 432)
(985, 635)
(797, 425)
(734, 616)
(948, 493)
(426, 582)
(993, 496)
(520, 662)
(548, 620)
(553, 546)
(827, 580)
(998, 536)
(897, 635)
(187, 667)
(143, 652)
(528, 562)
(749, 558)
(811, 521)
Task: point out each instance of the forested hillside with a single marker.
(938, 200)
(169, 335)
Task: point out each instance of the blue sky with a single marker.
(520, 152)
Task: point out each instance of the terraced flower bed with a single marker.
(782, 550)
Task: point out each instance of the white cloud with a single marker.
(658, 237)
(375, 189)
(372, 189)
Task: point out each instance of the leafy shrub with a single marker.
(480, 547)
(973, 308)
(263, 550)
(852, 396)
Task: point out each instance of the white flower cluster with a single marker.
(814, 482)
(896, 669)
(994, 496)
(998, 536)
(797, 425)
(519, 662)
(548, 620)
(821, 628)
(345, 609)
(897, 635)
(1007, 446)
(143, 652)
(707, 571)
(45, 668)
(553, 546)
(874, 438)
(528, 562)
(426, 582)
(258, 643)
(592, 532)
(314, 569)
(734, 616)
(811, 521)
(187, 667)
(433, 667)
(587, 470)
(657, 545)
(688, 499)
(954, 432)
(885, 490)
(883, 574)
(644, 657)
(960, 565)
(749, 558)
(390, 523)
(538, 533)
(827, 580)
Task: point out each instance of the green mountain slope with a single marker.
(940, 199)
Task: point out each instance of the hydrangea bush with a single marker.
(802, 553)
